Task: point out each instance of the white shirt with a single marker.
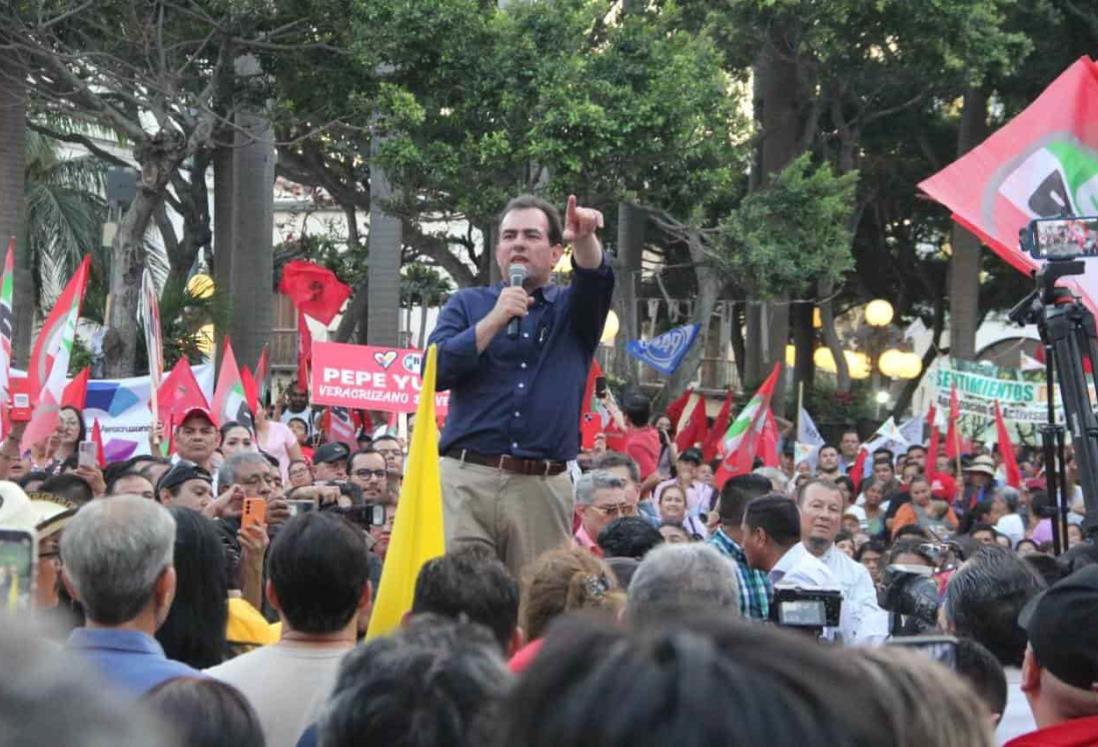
(698, 496)
(863, 621)
(1017, 718)
(798, 567)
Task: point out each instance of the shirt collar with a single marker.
(549, 292)
(132, 641)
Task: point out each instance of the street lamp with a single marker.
(878, 313)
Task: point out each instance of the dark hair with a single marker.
(82, 435)
(980, 527)
(918, 478)
(911, 546)
(777, 516)
(843, 536)
(318, 566)
(1046, 566)
(980, 669)
(827, 446)
(637, 409)
(367, 450)
(228, 426)
(628, 537)
(473, 585)
(911, 530)
(552, 215)
(985, 595)
(120, 475)
(844, 480)
(271, 458)
(434, 682)
(206, 713)
(69, 486)
(610, 459)
(776, 688)
(736, 493)
(916, 447)
(850, 429)
(874, 545)
(300, 420)
(194, 631)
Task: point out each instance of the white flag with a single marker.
(809, 440)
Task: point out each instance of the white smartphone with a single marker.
(87, 454)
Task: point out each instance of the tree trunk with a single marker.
(964, 267)
(384, 270)
(631, 225)
(159, 157)
(831, 338)
(804, 370)
(251, 278)
(354, 316)
(422, 341)
(13, 112)
(778, 104)
(223, 232)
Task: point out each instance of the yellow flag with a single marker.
(417, 525)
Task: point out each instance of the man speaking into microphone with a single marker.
(515, 358)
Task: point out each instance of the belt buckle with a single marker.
(548, 466)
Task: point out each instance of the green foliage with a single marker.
(421, 285)
(793, 232)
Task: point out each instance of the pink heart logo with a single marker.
(385, 359)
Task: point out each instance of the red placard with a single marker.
(367, 377)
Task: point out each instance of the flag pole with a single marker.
(800, 406)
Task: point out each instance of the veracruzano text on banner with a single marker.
(367, 377)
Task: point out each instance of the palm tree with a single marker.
(424, 287)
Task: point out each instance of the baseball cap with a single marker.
(1061, 629)
(180, 473)
(197, 410)
(333, 451)
(943, 487)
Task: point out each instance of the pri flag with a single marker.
(229, 400)
(314, 290)
(76, 391)
(741, 442)
(675, 409)
(809, 440)
(50, 359)
(180, 391)
(1040, 164)
(696, 428)
(417, 526)
(665, 353)
(261, 374)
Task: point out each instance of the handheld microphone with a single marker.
(517, 273)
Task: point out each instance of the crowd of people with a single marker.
(793, 604)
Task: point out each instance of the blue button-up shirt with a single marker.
(754, 585)
(128, 659)
(521, 396)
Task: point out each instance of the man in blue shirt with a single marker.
(515, 392)
(118, 555)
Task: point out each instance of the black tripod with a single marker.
(1067, 330)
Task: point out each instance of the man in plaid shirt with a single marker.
(754, 585)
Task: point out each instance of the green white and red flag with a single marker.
(154, 343)
(49, 364)
(261, 374)
(229, 400)
(1039, 164)
(7, 292)
(743, 439)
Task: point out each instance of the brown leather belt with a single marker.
(509, 463)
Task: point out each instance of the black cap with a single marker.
(691, 455)
(334, 451)
(179, 474)
(1062, 631)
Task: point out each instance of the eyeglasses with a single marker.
(366, 473)
(617, 509)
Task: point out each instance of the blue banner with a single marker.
(665, 353)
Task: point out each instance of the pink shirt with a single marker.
(280, 439)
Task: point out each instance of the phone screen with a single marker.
(600, 386)
(87, 454)
(17, 556)
(1064, 237)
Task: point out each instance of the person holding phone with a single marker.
(515, 357)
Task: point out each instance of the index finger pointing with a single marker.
(570, 212)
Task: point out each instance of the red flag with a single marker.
(76, 390)
(768, 441)
(716, 434)
(261, 374)
(742, 439)
(304, 351)
(229, 402)
(953, 440)
(697, 427)
(857, 472)
(314, 290)
(180, 392)
(1006, 449)
(7, 290)
(251, 391)
(50, 338)
(97, 437)
(590, 420)
(338, 424)
(674, 410)
(1039, 164)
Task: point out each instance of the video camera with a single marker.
(810, 610)
(911, 594)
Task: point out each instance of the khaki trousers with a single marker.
(518, 516)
